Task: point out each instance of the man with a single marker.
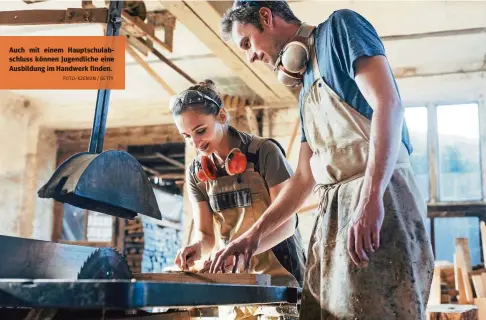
(369, 254)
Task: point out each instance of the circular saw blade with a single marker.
(107, 264)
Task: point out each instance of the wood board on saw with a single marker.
(192, 277)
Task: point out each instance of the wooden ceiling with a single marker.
(437, 50)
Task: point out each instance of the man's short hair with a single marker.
(244, 11)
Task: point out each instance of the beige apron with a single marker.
(237, 203)
(396, 283)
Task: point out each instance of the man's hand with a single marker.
(230, 265)
(241, 248)
(364, 233)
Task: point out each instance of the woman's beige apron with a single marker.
(237, 203)
(396, 283)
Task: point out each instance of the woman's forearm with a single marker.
(207, 243)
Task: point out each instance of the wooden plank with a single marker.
(178, 315)
(461, 259)
(478, 286)
(198, 26)
(452, 312)
(435, 292)
(49, 17)
(481, 304)
(482, 227)
(189, 277)
(212, 17)
(462, 245)
(459, 281)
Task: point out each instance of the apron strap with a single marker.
(315, 64)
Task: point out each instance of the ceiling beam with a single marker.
(212, 17)
(170, 160)
(121, 114)
(434, 34)
(197, 23)
(49, 17)
(392, 18)
(149, 70)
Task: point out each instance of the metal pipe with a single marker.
(103, 97)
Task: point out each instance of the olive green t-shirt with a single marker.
(273, 167)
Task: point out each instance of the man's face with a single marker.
(258, 46)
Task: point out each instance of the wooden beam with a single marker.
(170, 160)
(133, 26)
(292, 138)
(151, 171)
(42, 17)
(434, 34)
(162, 58)
(432, 152)
(143, 30)
(142, 135)
(308, 208)
(171, 176)
(206, 11)
(252, 121)
(149, 70)
(197, 24)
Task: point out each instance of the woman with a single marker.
(231, 182)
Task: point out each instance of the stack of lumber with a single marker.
(458, 291)
(150, 246)
(134, 244)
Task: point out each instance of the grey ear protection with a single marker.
(292, 61)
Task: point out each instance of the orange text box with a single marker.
(63, 62)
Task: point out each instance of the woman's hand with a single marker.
(187, 256)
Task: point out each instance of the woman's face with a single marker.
(203, 131)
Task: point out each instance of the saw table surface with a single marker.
(132, 294)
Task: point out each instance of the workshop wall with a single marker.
(25, 159)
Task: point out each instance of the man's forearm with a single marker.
(385, 141)
(289, 199)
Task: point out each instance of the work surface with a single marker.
(126, 294)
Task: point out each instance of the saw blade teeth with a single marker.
(105, 263)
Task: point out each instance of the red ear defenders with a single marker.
(235, 163)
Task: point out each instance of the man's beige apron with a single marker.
(237, 203)
(396, 283)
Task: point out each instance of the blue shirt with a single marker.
(339, 42)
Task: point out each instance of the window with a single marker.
(459, 153)
(416, 120)
(83, 225)
(448, 229)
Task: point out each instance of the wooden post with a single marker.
(432, 138)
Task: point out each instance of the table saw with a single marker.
(47, 280)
